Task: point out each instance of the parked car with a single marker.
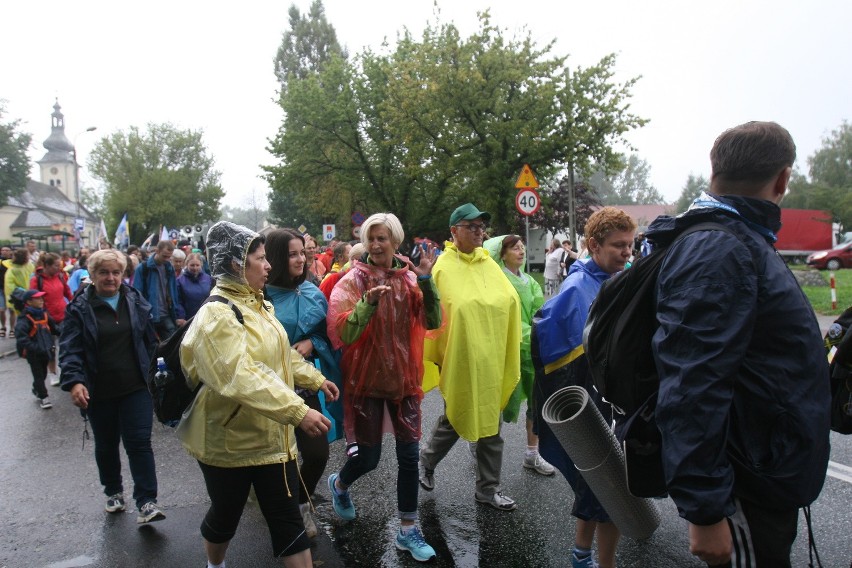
(832, 259)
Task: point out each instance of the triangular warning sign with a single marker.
(526, 179)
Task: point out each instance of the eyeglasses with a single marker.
(475, 227)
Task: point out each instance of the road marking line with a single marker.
(840, 471)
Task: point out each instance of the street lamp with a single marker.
(77, 183)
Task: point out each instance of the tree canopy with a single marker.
(160, 176)
(830, 185)
(628, 186)
(440, 121)
(14, 162)
(691, 189)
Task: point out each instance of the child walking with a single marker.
(34, 333)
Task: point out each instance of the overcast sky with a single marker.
(208, 65)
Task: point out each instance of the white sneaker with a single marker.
(54, 380)
(45, 403)
(538, 464)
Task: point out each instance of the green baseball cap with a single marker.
(468, 212)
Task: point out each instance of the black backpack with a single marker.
(838, 343)
(617, 342)
(172, 394)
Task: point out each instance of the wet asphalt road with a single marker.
(51, 506)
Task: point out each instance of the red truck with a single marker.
(804, 231)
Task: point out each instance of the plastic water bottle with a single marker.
(162, 377)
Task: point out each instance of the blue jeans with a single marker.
(127, 419)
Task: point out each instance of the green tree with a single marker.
(831, 165)
(161, 176)
(553, 214)
(14, 162)
(309, 43)
(443, 120)
(692, 189)
(629, 186)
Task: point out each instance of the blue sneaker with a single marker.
(342, 503)
(414, 543)
(585, 562)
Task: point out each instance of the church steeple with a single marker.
(58, 146)
(57, 165)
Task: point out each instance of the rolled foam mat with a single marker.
(592, 446)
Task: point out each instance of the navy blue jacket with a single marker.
(40, 344)
(78, 341)
(150, 286)
(744, 389)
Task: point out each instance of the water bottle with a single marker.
(162, 377)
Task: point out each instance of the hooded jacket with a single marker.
(146, 279)
(78, 343)
(17, 275)
(743, 406)
(478, 350)
(531, 297)
(245, 412)
(57, 292)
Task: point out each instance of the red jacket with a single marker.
(56, 290)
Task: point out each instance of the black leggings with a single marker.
(228, 488)
(314, 450)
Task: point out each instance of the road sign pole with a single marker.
(527, 243)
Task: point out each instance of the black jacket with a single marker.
(32, 339)
(744, 391)
(78, 343)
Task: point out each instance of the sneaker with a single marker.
(149, 512)
(54, 380)
(587, 562)
(427, 479)
(414, 543)
(308, 520)
(45, 403)
(341, 501)
(538, 464)
(498, 501)
(115, 503)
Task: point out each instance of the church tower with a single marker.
(57, 165)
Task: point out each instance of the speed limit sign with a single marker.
(527, 201)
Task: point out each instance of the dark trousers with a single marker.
(165, 327)
(314, 450)
(407, 479)
(276, 492)
(762, 537)
(38, 366)
(126, 419)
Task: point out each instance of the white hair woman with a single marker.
(379, 313)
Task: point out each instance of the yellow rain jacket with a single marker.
(478, 350)
(245, 413)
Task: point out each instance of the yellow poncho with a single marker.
(478, 350)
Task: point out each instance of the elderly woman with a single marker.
(380, 311)
(240, 425)
(301, 308)
(193, 285)
(510, 253)
(106, 346)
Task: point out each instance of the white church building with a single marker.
(47, 211)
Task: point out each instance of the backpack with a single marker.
(17, 299)
(617, 342)
(173, 395)
(838, 344)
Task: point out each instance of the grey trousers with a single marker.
(489, 455)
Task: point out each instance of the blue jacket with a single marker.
(192, 291)
(40, 342)
(743, 406)
(149, 286)
(78, 342)
(302, 312)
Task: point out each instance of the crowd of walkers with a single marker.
(308, 347)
